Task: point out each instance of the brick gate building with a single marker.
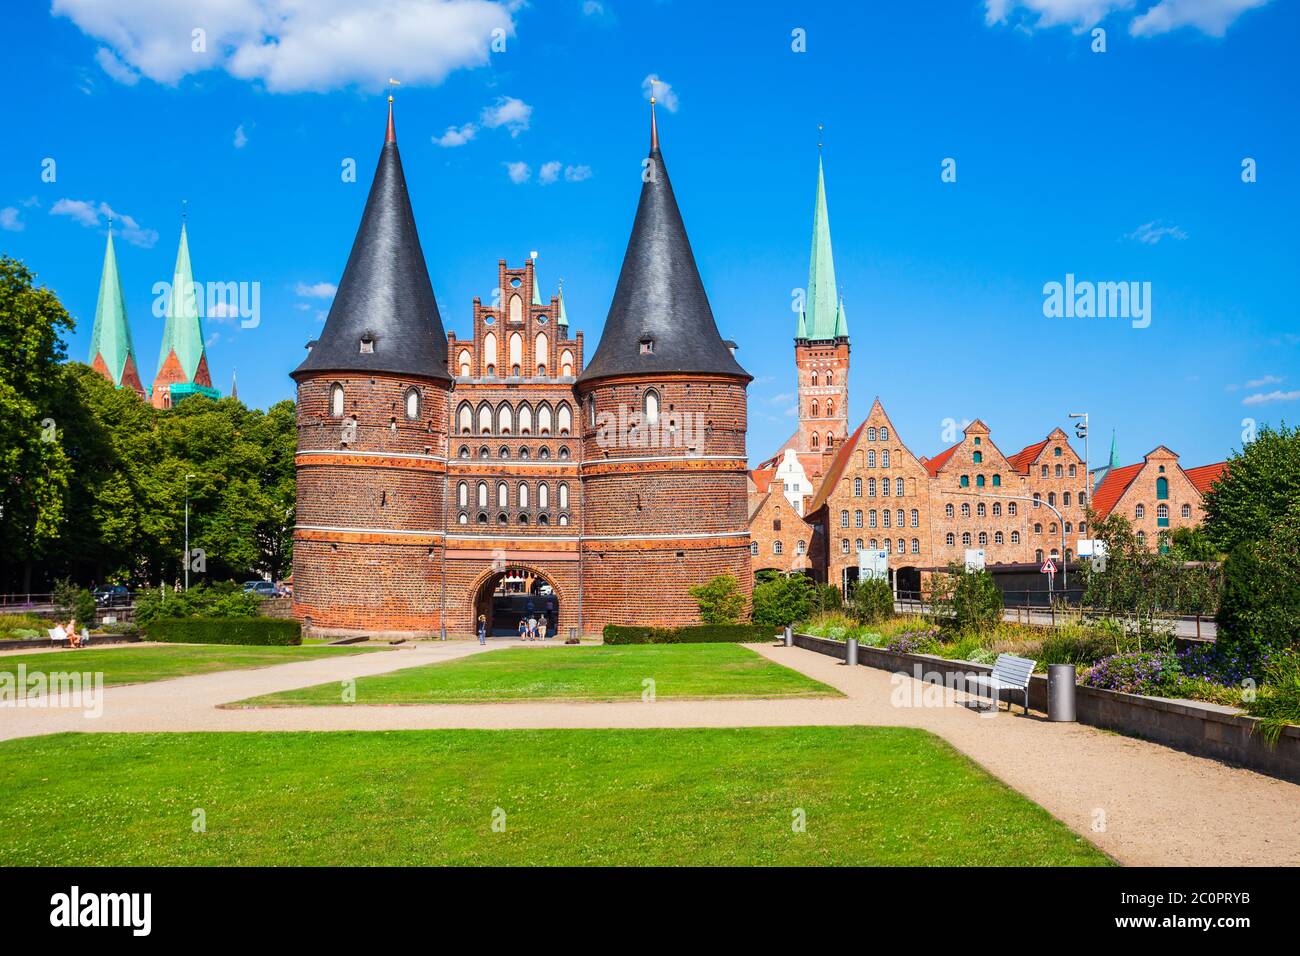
(436, 474)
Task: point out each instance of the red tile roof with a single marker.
(1205, 475)
(1112, 488)
(836, 471)
(932, 465)
(1022, 459)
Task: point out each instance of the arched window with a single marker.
(462, 494)
(463, 362)
(505, 419)
(523, 494)
(898, 487)
(650, 406)
(1051, 528)
(978, 457)
(830, 440)
(541, 350)
(503, 452)
(564, 453)
(814, 408)
(857, 487)
(1162, 512)
(1051, 498)
(997, 537)
(814, 376)
(871, 433)
(1065, 499)
(997, 481)
(1038, 528)
(1187, 511)
(482, 494)
(464, 451)
(902, 519)
(801, 547)
(980, 510)
(336, 400)
(884, 434)
(1058, 472)
(753, 548)
(465, 419)
(564, 521)
(463, 518)
(1011, 509)
(1142, 538)
(544, 420)
(503, 494)
(776, 547)
(525, 420)
(871, 487)
(816, 442)
(412, 402)
(830, 408)
(1038, 499)
(884, 458)
(965, 509)
(490, 350)
(564, 418)
(1162, 488)
(1015, 537)
(485, 419)
(516, 308)
(566, 363)
(564, 497)
(997, 509)
(979, 481)
(1140, 511)
(516, 352)
(844, 519)
(983, 538)
(965, 481)
(948, 511)
(884, 487)
(949, 540)
(871, 459)
(914, 518)
(543, 495)
(830, 377)
(916, 545)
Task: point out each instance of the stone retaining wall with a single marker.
(1203, 729)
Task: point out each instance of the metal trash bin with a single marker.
(789, 637)
(851, 656)
(1060, 693)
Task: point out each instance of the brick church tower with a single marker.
(372, 433)
(183, 358)
(663, 431)
(821, 344)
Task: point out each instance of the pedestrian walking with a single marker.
(541, 627)
(482, 628)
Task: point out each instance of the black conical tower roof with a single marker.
(659, 296)
(385, 294)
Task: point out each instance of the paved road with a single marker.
(1142, 803)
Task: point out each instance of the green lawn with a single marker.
(572, 673)
(137, 665)
(869, 796)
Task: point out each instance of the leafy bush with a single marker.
(1260, 611)
(721, 600)
(1081, 650)
(915, 642)
(72, 601)
(1144, 672)
(782, 601)
(873, 600)
(221, 600)
(262, 631)
(697, 634)
(1278, 701)
(828, 597)
(967, 598)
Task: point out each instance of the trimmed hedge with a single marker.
(697, 634)
(262, 631)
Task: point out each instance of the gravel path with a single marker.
(1142, 803)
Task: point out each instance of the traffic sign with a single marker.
(1049, 567)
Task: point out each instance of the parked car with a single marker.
(262, 588)
(112, 595)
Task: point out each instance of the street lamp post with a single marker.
(1081, 431)
(187, 531)
(1065, 564)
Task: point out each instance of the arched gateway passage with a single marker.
(512, 594)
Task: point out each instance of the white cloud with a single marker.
(518, 172)
(457, 135)
(576, 174)
(1262, 398)
(1152, 232)
(593, 8)
(509, 112)
(1209, 16)
(29, 202)
(292, 45)
(10, 220)
(653, 85)
(317, 290)
(115, 68)
(1261, 382)
(549, 172)
(241, 138)
(89, 214)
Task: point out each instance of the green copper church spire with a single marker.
(183, 331)
(822, 313)
(1114, 450)
(563, 318)
(110, 341)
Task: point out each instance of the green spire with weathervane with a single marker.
(562, 319)
(110, 340)
(822, 315)
(1114, 450)
(183, 331)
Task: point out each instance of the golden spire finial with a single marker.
(654, 126)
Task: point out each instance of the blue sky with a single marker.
(1117, 166)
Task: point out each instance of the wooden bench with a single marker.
(1009, 673)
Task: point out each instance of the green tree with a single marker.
(966, 597)
(34, 469)
(1260, 485)
(785, 600)
(1260, 611)
(721, 600)
(873, 600)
